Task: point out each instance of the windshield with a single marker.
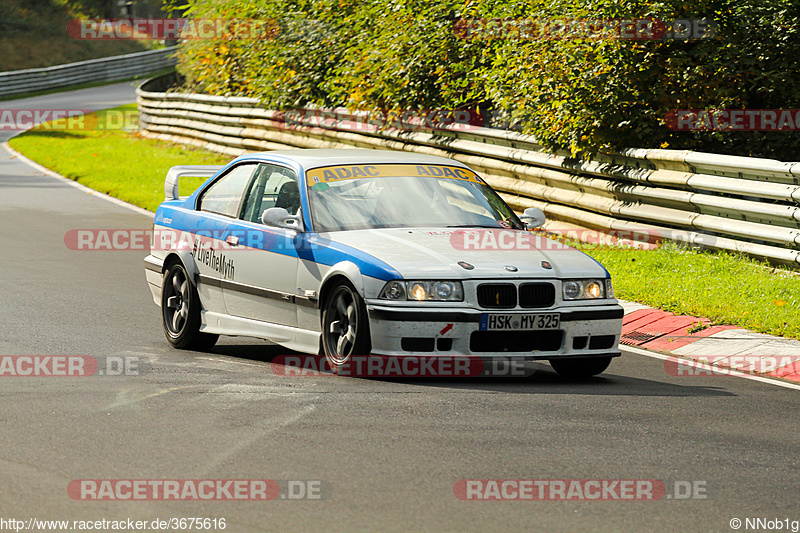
(390, 198)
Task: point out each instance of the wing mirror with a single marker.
(533, 217)
(280, 218)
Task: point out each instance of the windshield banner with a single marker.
(347, 172)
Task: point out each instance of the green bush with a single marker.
(580, 95)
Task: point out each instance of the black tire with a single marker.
(180, 311)
(345, 326)
(581, 368)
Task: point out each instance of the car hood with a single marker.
(436, 252)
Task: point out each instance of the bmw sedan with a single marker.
(373, 253)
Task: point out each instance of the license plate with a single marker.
(516, 322)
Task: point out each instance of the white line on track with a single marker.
(728, 372)
(84, 188)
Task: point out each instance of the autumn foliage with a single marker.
(581, 95)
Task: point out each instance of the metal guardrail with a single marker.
(104, 69)
(742, 204)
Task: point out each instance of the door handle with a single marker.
(233, 240)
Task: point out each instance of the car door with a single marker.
(217, 207)
(265, 256)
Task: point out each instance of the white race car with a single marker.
(359, 252)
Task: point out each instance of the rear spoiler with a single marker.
(176, 173)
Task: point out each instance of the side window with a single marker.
(224, 195)
(273, 186)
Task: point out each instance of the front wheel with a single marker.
(180, 311)
(345, 327)
(580, 368)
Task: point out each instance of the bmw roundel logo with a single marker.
(511, 268)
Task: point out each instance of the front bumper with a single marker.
(585, 331)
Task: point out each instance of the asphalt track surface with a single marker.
(388, 452)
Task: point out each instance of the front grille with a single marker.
(533, 295)
(497, 295)
(516, 341)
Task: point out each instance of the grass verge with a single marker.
(106, 156)
(726, 288)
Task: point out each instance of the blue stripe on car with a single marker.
(306, 246)
(608, 274)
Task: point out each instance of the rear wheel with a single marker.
(345, 327)
(180, 311)
(580, 368)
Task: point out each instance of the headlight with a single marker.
(585, 289)
(572, 290)
(417, 291)
(394, 290)
(442, 291)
